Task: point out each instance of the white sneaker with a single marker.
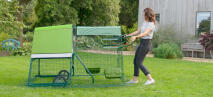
(148, 82)
(132, 82)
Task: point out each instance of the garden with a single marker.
(174, 76)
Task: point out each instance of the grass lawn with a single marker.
(174, 78)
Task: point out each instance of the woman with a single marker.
(145, 34)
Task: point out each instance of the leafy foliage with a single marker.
(4, 36)
(28, 37)
(2, 48)
(55, 12)
(204, 26)
(84, 42)
(168, 51)
(129, 12)
(126, 30)
(23, 51)
(206, 40)
(24, 2)
(29, 16)
(8, 17)
(97, 12)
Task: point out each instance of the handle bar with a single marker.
(125, 41)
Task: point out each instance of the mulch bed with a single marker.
(4, 53)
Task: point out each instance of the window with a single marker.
(158, 18)
(203, 23)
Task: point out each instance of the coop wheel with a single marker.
(59, 79)
(64, 73)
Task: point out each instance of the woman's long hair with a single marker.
(149, 15)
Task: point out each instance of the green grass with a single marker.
(174, 78)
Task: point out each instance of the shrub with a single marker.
(4, 36)
(1, 48)
(126, 30)
(21, 52)
(28, 37)
(24, 51)
(5, 48)
(167, 34)
(168, 51)
(206, 40)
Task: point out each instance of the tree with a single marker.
(55, 12)
(20, 18)
(29, 16)
(8, 18)
(129, 12)
(204, 26)
(97, 12)
(106, 12)
(84, 9)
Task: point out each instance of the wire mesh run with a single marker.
(102, 56)
(45, 71)
(96, 60)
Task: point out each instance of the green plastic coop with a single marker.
(76, 56)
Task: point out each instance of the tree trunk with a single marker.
(20, 19)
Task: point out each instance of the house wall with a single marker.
(179, 13)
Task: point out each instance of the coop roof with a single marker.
(99, 30)
(52, 40)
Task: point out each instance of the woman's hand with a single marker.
(133, 38)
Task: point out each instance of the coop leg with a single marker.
(71, 69)
(29, 76)
(122, 70)
(39, 67)
(121, 63)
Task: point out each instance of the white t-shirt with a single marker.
(146, 25)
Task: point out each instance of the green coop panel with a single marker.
(106, 30)
(52, 39)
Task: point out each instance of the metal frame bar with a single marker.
(71, 70)
(29, 76)
(39, 67)
(122, 67)
(29, 83)
(82, 63)
(57, 84)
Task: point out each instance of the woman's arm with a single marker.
(134, 33)
(147, 31)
